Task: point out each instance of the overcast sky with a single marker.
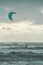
(27, 24)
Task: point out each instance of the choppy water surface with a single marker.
(21, 54)
(22, 63)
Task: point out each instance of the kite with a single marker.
(10, 15)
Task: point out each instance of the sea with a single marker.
(21, 53)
